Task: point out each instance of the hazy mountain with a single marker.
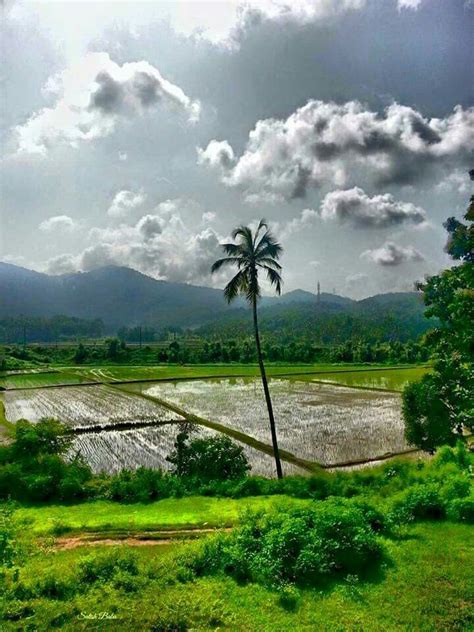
(121, 296)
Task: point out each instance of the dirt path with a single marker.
(140, 538)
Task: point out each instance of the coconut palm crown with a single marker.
(252, 253)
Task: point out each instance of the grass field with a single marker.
(102, 515)
(425, 584)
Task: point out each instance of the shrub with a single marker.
(461, 509)
(104, 566)
(53, 587)
(421, 501)
(294, 545)
(8, 532)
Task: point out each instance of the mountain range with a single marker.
(124, 297)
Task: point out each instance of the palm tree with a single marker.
(254, 252)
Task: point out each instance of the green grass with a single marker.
(101, 515)
(386, 379)
(426, 584)
(40, 379)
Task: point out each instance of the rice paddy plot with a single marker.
(389, 379)
(317, 422)
(39, 379)
(113, 450)
(83, 406)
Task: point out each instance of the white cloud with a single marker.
(457, 181)
(62, 264)
(303, 221)
(217, 155)
(391, 254)
(409, 4)
(208, 217)
(326, 143)
(161, 244)
(92, 96)
(355, 207)
(124, 202)
(58, 224)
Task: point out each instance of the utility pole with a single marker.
(24, 336)
(319, 292)
(140, 335)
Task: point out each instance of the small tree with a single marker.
(216, 458)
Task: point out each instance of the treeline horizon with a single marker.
(116, 351)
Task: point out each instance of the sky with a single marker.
(140, 134)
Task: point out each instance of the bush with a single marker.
(53, 587)
(105, 566)
(421, 501)
(294, 546)
(8, 533)
(461, 510)
(33, 468)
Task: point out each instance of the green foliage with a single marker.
(8, 533)
(442, 403)
(106, 566)
(422, 501)
(48, 437)
(216, 458)
(296, 546)
(32, 467)
(427, 417)
(462, 509)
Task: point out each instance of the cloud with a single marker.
(58, 223)
(62, 264)
(92, 96)
(217, 155)
(457, 181)
(409, 4)
(326, 143)
(124, 202)
(355, 207)
(161, 244)
(390, 254)
(306, 218)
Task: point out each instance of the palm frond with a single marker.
(237, 285)
(217, 265)
(247, 238)
(268, 261)
(274, 278)
(232, 250)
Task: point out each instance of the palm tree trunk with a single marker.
(276, 451)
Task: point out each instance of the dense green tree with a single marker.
(81, 354)
(216, 458)
(441, 406)
(252, 253)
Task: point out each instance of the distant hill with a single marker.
(117, 295)
(120, 296)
